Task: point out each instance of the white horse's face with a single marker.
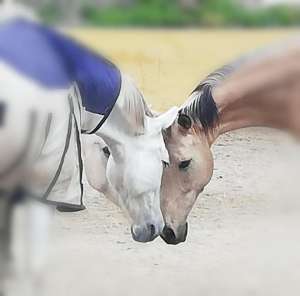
(134, 170)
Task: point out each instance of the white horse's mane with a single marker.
(134, 106)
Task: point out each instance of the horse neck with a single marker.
(115, 130)
(120, 128)
(259, 94)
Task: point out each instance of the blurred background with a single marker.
(171, 13)
(161, 42)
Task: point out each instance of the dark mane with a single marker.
(202, 107)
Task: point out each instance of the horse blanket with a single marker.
(88, 84)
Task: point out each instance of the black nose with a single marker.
(169, 236)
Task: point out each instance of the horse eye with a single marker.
(106, 152)
(184, 164)
(165, 164)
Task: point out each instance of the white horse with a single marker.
(51, 89)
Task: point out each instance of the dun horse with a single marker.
(262, 89)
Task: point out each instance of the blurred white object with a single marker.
(11, 9)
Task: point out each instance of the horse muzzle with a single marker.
(144, 234)
(169, 236)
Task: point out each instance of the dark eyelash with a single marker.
(165, 164)
(184, 164)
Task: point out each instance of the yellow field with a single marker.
(167, 64)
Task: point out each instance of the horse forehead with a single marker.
(146, 151)
(151, 142)
(181, 144)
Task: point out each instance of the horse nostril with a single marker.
(144, 233)
(169, 236)
(152, 230)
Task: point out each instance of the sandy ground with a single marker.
(244, 236)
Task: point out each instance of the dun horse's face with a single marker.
(190, 170)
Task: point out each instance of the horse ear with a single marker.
(185, 121)
(166, 119)
(163, 121)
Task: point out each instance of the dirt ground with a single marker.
(244, 236)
